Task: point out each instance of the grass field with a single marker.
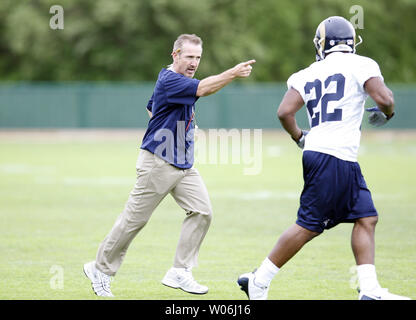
(62, 191)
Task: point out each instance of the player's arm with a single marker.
(150, 113)
(214, 83)
(381, 95)
(292, 102)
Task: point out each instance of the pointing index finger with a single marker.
(247, 63)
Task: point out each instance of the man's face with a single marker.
(186, 60)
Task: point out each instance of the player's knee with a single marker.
(372, 221)
(309, 235)
(368, 222)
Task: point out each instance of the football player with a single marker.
(334, 90)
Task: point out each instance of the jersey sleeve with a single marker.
(296, 82)
(180, 89)
(150, 104)
(367, 69)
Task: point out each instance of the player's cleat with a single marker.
(178, 278)
(379, 294)
(100, 282)
(254, 292)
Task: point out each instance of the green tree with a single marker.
(130, 40)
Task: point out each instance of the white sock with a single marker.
(265, 273)
(367, 277)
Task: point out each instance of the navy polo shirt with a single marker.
(170, 132)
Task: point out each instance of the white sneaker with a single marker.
(179, 278)
(253, 291)
(100, 282)
(380, 294)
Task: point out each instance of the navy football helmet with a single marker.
(334, 34)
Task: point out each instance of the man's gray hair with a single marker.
(192, 38)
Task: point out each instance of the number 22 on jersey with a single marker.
(322, 115)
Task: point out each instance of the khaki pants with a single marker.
(155, 179)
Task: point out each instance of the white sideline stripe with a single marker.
(79, 181)
(229, 194)
(121, 181)
(274, 151)
(258, 195)
(21, 168)
(277, 194)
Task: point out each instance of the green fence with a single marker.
(122, 105)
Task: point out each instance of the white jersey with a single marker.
(333, 91)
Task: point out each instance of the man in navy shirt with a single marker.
(170, 131)
(165, 165)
